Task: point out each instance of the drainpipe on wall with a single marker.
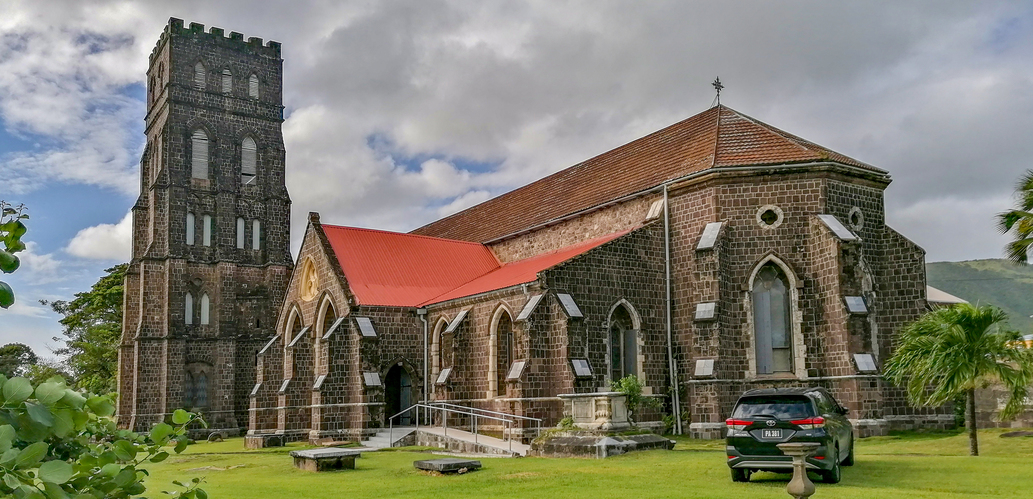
(671, 364)
(422, 313)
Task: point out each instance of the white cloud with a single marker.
(40, 268)
(27, 309)
(104, 241)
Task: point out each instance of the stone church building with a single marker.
(713, 256)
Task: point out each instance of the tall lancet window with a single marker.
(190, 229)
(199, 154)
(206, 231)
(252, 87)
(199, 76)
(240, 233)
(227, 81)
(204, 309)
(256, 235)
(771, 321)
(201, 390)
(248, 161)
(188, 309)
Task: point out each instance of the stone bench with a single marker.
(325, 459)
(447, 465)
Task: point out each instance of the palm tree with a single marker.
(1020, 221)
(949, 352)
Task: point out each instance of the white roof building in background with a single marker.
(940, 298)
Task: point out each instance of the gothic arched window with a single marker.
(227, 81)
(199, 154)
(204, 309)
(248, 161)
(199, 76)
(252, 87)
(772, 325)
(504, 352)
(206, 231)
(188, 309)
(256, 235)
(240, 233)
(190, 229)
(623, 344)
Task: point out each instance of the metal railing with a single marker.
(446, 408)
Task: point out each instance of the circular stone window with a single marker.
(769, 216)
(856, 218)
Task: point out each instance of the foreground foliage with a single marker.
(1019, 222)
(57, 443)
(11, 231)
(950, 352)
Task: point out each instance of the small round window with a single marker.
(856, 218)
(769, 216)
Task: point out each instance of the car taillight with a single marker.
(810, 423)
(737, 424)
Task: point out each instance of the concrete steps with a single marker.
(461, 441)
(387, 438)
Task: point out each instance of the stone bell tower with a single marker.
(211, 235)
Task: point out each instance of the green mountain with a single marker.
(998, 282)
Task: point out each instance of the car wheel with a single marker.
(740, 475)
(849, 461)
(835, 474)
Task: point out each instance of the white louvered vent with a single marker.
(190, 229)
(227, 81)
(240, 233)
(248, 161)
(204, 309)
(199, 155)
(199, 76)
(206, 231)
(252, 87)
(256, 235)
(188, 309)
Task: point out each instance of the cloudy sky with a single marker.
(401, 112)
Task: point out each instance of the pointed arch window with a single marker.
(199, 76)
(252, 86)
(248, 161)
(504, 351)
(206, 231)
(191, 226)
(227, 81)
(623, 344)
(256, 235)
(188, 309)
(204, 309)
(240, 233)
(199, 154)
(771, 321)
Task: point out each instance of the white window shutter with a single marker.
(252, 87)
(199, 76)
(190, 229)
(227, 81)
(204, 309)
(188, 309)
(256, 235)
(199, 155)
(206, 238)
(240, 233)
(248, 161)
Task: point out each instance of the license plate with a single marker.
(771, 434)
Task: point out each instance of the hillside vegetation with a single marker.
(998, 282)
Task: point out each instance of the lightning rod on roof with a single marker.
(717, 86)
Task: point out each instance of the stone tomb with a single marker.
(447, 465)
(325, 459)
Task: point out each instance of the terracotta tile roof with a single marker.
(523, 271)
(718, 137)
(388, 268)
(394, 269)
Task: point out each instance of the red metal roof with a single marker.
(394, 269)
(523, 271)
(718, 137)
(389, 268)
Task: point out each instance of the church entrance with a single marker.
(398, 392)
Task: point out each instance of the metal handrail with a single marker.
(508, 419)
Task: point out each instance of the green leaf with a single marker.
(181, 417)
(201, 494)
(54, 491)
(64, 423)
(125, 477)
(110, 469)
(100, 405)
(159, 457)
(161, 432)
(11, 481)
(39, 414)
(31, 454)
(6, 437)
(125, 450)
(49, 393)
(8, 457)
(55, 472)
(181, 446)
(17, 390)
(74, 399)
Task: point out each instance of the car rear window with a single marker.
(777, 406)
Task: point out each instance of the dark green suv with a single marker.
(765, 418)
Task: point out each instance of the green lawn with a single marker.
(909, 466)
